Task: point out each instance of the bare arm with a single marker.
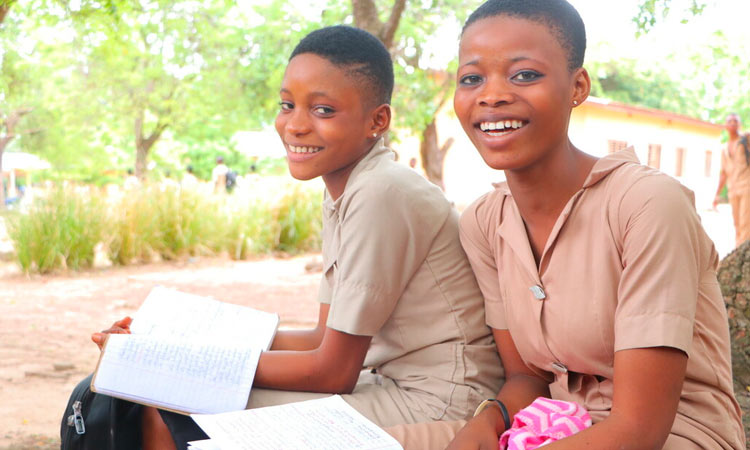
(647, 386)
(722, 183)
(331, 366)
(722, 179)
(309, 339)
(522, 386)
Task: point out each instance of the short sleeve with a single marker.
(658, 289)
(386, 232)
(475, 239)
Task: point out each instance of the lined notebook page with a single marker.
(170, 313)
(187, 375)
(322, 424)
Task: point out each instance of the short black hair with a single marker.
(558, 15)
(358, 51)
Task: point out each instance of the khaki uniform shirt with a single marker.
(394, 269)
(736, 168)
(627, 265)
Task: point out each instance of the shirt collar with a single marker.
(602, 167)
(377, 153)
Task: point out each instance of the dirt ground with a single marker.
(46, 321)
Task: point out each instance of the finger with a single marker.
(125, 323)
(116, 330)
(122, 323)
(98, 339)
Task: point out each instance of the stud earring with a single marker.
(374, 134)
(575, 102)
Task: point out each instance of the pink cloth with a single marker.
(543, 422)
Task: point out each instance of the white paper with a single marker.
(186, 375)
(186, 353)
(205, 444)
(323, 424)
(170, 313)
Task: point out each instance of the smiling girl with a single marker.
(398, 297)
(599, 281)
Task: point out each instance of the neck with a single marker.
(543, 190)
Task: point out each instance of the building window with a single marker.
(708, 163)
(654, 155)
(679, 161)
(616, 146)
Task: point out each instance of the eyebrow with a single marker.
(474, 62)
(312, 94)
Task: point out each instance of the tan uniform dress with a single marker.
(394, 269)
(738, 186)
(627, 265)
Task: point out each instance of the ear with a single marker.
(381, 120)
(581, 86)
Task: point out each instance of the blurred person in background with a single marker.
(735, 175)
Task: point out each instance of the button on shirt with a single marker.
(627, 265)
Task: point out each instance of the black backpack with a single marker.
(230, 180)
(746, 145)
(94, 421)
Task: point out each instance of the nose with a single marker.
(297, 122)
(495, 92)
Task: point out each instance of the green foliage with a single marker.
(162, 221)
(60, 231)
(650, 12)
(299, 224)
(705, 82)
(622, 80)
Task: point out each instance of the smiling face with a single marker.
(514, 91)
(324, 122)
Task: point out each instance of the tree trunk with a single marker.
(9, 123)
(734, 278)
(433, 155)
(365, 14)
(2, 178)
(4, 8)
(143, 146)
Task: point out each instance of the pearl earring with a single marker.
(575, 102)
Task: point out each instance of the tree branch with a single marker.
(388, 30)
(4, 8)
(366, 16)
(12, 120)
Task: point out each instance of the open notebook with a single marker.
(323, 424)
(186, 353)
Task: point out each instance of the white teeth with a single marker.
(295, 149)
(501, 125)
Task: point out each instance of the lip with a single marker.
(301, 157)
(504, 137)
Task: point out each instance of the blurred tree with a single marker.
(705, 82)
(17, 100)
(650, 12)
(4, 7)
(423, 85)
(128, 73)
(623, 81)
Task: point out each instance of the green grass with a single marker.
(62, 229)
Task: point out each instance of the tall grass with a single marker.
(62, 229)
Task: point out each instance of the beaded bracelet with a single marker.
(503, 410)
